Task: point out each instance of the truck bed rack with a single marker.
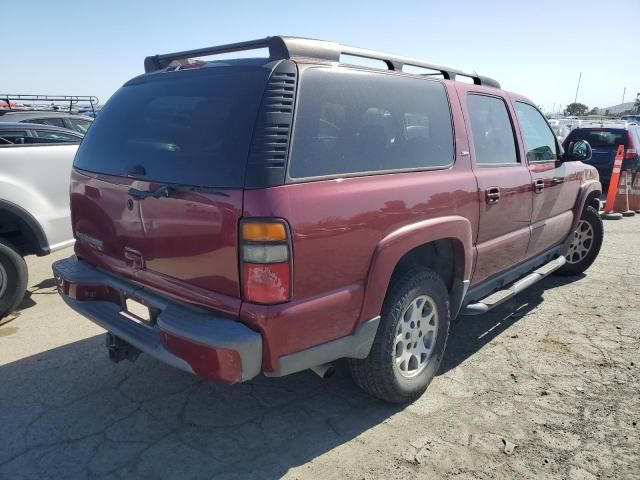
(282, 47)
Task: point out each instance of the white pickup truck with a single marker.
(35, 166)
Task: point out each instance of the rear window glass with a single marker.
(600, 137)
(348, 121)
(191, 127)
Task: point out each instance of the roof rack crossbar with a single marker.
(159, 62)
(281, 47)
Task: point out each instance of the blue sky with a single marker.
(536, 48)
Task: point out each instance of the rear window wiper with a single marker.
(167, 189)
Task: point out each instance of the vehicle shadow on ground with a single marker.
(45, 287)
(472, 333)
(71, 412)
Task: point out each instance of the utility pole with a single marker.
(578, 88)
(624, 92)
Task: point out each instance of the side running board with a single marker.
(496, 298)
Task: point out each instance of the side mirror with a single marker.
(577, 151)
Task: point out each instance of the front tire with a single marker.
(585, 245)
(13, 278)
(410, 341)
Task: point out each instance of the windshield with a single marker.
(191, 127)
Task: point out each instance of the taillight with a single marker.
(631, 152)
(265, 261)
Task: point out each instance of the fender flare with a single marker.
(586, 189)
(401, 241)
(34, 230)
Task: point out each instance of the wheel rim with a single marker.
(3, 280)
(416, 336)
(581, 244)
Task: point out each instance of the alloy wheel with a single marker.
(581, 243)
(416, 336)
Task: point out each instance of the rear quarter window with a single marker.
(354, 122)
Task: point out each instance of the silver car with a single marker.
(77, 123)
(35, 166)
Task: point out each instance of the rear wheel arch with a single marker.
(20, 228)
(444, 256)
(441, 245)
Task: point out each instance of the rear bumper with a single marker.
(187, 338)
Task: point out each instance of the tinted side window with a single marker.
(79, 125)
(55, 121)
(51, 136)
(492, 131)
(349, 121)
(14, 136)
(538, 137)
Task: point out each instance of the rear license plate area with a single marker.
(137, 310)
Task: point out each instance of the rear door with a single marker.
(157, 191)
(504, 182)
(555, 185)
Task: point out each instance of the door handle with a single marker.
(538, 185)
(557, 180)
(492, 195)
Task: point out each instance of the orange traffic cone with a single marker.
(609, 207)
(622, 200)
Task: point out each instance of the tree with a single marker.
(577, 109)
(637, 104)
(594, 111)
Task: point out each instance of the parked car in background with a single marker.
(560, 131)
(89, 111)
(272, 215)
(77, 123)
(32, 133)
(604, 139)
(35, 165)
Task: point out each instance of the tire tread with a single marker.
(372, 374)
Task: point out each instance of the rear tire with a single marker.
(585, 245)
(410, 341)
(13, 278)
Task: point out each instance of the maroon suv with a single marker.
(270, 215)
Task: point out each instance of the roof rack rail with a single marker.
(281, 47)
(50, 99)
